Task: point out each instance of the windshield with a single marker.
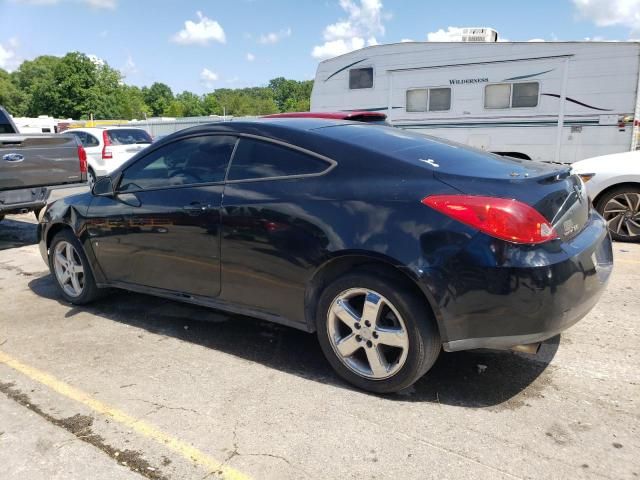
(128, 136)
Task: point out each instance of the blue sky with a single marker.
(203, 45)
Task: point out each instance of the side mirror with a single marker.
(103, 187)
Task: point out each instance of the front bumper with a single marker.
(503, 295)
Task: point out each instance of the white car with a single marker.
(109, 147)
(613, 184)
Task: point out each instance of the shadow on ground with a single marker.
(469, 379)
(16, 232)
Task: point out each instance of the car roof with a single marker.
(350, 115)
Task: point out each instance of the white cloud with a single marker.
(200, 32)
(250, 57)
(208, 78)
(98, 4)
(363, 23)
(129, 67)
(274, 37)
(97, 61)
(406, 40)
(9, 58)
(535, 40)
(452, 34)
(606, 13)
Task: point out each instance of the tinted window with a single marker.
(91, 141)
(525, 94)
(128, 136)
(256, 159)
(184, 162)
(360, 78)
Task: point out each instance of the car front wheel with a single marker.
(71, 270)
(377, 333)
(620, 207)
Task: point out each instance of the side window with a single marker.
(184, 162)
(517, 95)
(439, 99)
(91, 141)
(525, 94)
(417, 100)
(361, 78)
(432, 99)
(81, 136)
(257, 159)
(497, 95)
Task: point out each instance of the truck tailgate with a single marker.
(38, 160)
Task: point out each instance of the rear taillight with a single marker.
(106, 151)
(82, 156)
(502, 218)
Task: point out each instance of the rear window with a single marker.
(256, 159)
(6, 128)
(128, 136)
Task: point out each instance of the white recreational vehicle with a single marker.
(560, 101)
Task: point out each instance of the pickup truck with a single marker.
(31, 164)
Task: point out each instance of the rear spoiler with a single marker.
(366, 116)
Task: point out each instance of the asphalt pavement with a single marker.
(135, 386)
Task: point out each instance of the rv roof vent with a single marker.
(479, 35)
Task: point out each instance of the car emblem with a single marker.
(429, 162)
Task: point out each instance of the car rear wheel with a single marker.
(71, 270)
(376, 334)
(620, 207)
(91, 177)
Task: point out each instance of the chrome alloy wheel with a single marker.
(622, 214)
(367, 333)
(68, 269)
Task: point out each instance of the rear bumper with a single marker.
(524, 294)
(17, 201)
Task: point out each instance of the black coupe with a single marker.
(389, 245)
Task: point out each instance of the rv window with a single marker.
(497, 96)
(360, 78)
(439, 99)
(525, 94)
(417, 100)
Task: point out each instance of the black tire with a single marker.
(624, 234)
(424, 343)
(90, 291)
(91, 177)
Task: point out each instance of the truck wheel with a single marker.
(376, 334)
(620, 207)
(71, 269)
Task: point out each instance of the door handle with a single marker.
(13, 157)
(195, 208)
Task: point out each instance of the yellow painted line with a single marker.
(143, 428)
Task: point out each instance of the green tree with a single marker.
(11, 97)
(130, 103)
(158, 97)
(193, 105)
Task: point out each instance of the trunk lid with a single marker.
(35, 160)
(551, 189)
